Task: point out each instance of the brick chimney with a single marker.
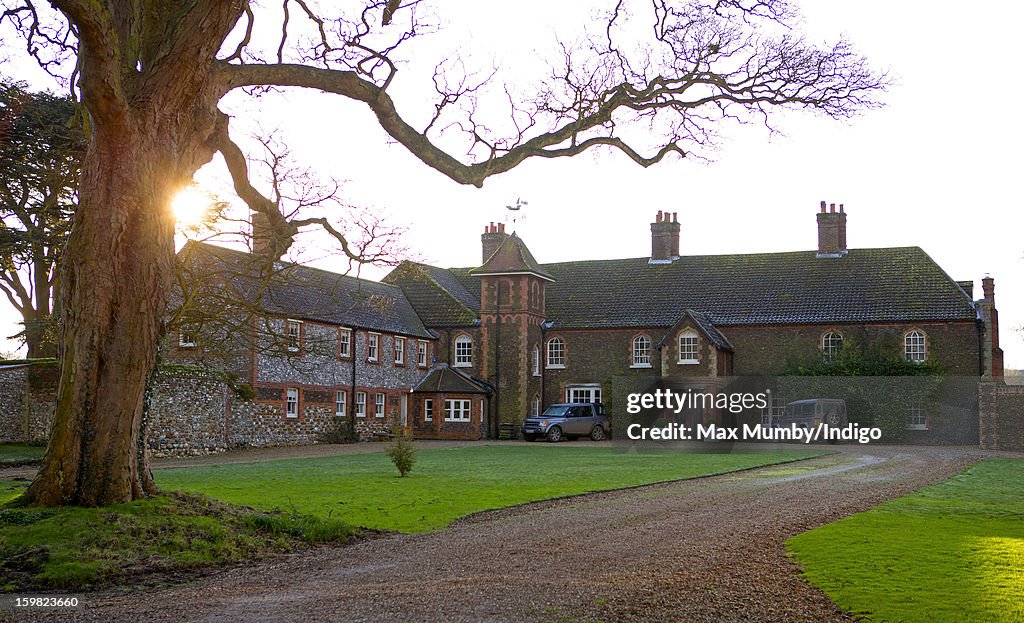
(491, 239)
(664, 238)
(992, 354)
(831, 231)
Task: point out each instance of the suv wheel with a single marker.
(555, 434)
(597, 434)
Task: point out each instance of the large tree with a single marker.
(651, 81)
(41, 149)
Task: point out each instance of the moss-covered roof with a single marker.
(901, 284)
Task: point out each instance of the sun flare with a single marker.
(190, 206)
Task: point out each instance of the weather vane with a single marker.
(514, 212)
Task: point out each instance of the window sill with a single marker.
(641, 365)
(463, 365)
(291, 417)
(555, 367)
(688, 362)
(917, 427)
(458, 421)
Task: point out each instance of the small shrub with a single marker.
(401, 451)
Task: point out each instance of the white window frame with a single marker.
(916, 419)
(291, 402)
(373, 347)
(686, 339)
(554, 351)
(915, 346)
(463, 351)
(399, 351)
(535, 407)
(380, 403)
(361, 404)
(340, 403)
(536, 360)
(460, 412)
(421, 353)
(293, 335)
(593, 391)
(186, 338)
(641, 357)
(428, 409)
(344, 343)
(831, 344)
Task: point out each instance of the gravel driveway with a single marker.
(700, 550)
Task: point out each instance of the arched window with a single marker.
(689, 347)
(831, 343)
(463, 351)
(915, 345)
(556, 353)
(535, 406)
(536, 360)
(641, 352)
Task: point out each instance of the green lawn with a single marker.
(445, 484)
(19, 453)
(950, 552)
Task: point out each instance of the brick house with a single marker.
(453, 352)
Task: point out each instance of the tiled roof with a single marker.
(511, 257)
(901, 284)
(438, 297)
(307, 293)
(442, 379)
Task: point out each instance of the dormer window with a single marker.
(689, 345)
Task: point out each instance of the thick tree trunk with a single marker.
(115, 279)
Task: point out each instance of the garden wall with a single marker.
(1001, 422)
(187, 413)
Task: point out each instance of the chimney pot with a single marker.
(675, 217)
(841, 211)
(831, 231)
(822, 207)
(501, 228)
(657, 219)
(831, 207)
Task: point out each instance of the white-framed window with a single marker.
(456, 410)
(428, 409)
(379, 404)
(915, 345)
(916, 419)
(360, 404)
(689, 345)
(555, 353)
(399, 351)
(641, 352)
(340, 403)
(372, 346)
(535, 407)
(186, 338)
(345, 343)
(293, 330)
(536, 360)
(291, 402)
(831, 344)
(589, 392)
(463, 351)
(421, 353)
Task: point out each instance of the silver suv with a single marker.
(568, 420)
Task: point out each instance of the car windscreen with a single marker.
(556, 411)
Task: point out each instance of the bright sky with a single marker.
(933, 169)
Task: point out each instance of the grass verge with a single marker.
(446, 483)
(950, 552)
(153, 540)
(13, 454)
